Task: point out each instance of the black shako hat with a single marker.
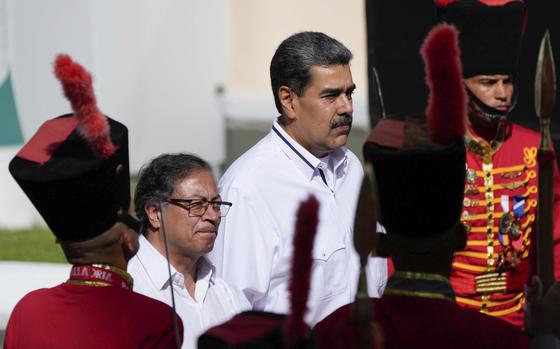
(75, 169)
(490, 33)
(419, 185)
(419, 163)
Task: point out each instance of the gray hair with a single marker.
(157, 179)
(297, 54)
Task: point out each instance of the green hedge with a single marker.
(36, 244)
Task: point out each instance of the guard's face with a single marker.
(323, 113)
(189, 235)
(495, 91)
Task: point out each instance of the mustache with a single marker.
(344, 119)
(208, 226)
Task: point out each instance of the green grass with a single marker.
(36, 244)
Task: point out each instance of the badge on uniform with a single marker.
(471, 176)
(510, 229)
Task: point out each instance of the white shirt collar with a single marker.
(308, 163)
(155, 265)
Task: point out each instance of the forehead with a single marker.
(200, 183)
(331, 76)
(489, 77)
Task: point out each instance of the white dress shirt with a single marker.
(253, 250)
(214, 301)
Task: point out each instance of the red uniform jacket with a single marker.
(490, 273)
(90, 312)
(419, 312)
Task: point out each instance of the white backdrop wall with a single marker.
(156, 67)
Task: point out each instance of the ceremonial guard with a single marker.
(501, 187)
(75, 171)
(419, 166)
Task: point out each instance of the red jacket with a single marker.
(496, 174)
(90, 314)
(419, 312)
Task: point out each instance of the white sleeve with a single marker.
(246, 247)
(376, 272)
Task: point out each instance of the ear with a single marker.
(382, 249)
(287, 99)
(129, 242)
(154, 216)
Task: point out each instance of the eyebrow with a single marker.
(200, 197)
(336, 91)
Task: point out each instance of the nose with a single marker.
(345, 105)
(212, 214)
(500, 92)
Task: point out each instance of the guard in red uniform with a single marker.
(75, 171)
(419, 167)
(499, 208)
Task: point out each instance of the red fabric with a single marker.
(518, 149)
(390, 267)
(40, 147)
(388, 133)
(444, 3)
(76, 316)
(248, 327)
(447, 106)
(402, 322)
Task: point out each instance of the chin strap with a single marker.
(130, 221)
(491, 113)
(175, 326)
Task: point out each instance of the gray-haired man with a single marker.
(303, 153)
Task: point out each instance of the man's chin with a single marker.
(340, 141)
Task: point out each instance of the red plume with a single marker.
(443, 3)
(497, 2)
(447, 107)
(78, 89)
(295, 329)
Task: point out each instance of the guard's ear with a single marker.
(154, 215)
(129, 242)
(288, 100)
(382, 248)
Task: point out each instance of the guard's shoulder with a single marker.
(522, 131)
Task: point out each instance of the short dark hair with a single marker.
(156, 180)
(296, 55)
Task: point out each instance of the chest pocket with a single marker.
(330, 267)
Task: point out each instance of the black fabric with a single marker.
(78, 194)
(489, 36)
(420, 191)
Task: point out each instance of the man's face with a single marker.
(493, 90)
(187, 235)
(323, 113)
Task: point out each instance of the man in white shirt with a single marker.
(303, 153)
(178, 193)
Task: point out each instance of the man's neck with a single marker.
(290, 132)
(487, 133)
(189, 268)
(184, 264)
